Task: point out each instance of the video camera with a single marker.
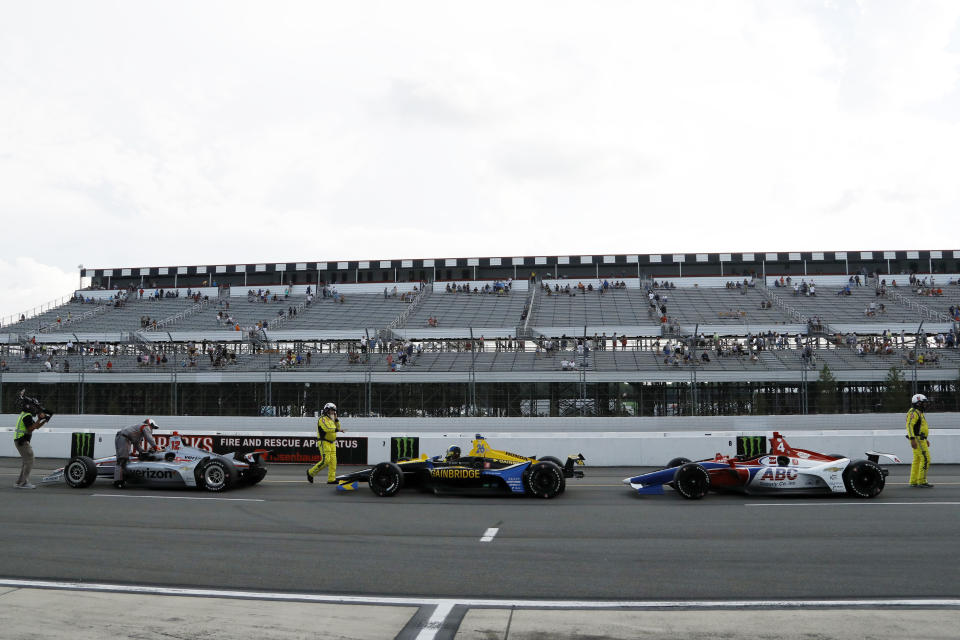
(31, 405)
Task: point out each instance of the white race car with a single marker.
(783, 469)
(181, 466)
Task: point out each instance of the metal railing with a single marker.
(35, 311)
(400, 322)
(531, 299)
(52, 326)
(924, 311)
(177, 317)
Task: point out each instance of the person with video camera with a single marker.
(133, 436)
(26, 425)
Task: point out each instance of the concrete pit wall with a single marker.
(603, 441)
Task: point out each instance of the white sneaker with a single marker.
(26, 485)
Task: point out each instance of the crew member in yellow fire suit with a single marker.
(918, 434)
(327, 427)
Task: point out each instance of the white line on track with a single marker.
(118, 495)
(838, 504)
(953, 603)
(435, 623)
(489, 534)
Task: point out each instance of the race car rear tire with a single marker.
(544, 480)
(80, 472)
(691, 481)
(863, 479)
(216, 475)
(386, 479)
(677, 462)
(557, 462)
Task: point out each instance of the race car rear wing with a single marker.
(568, 467)
(874, 456)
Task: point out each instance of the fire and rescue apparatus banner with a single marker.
(291, 449)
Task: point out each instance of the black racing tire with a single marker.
(863, 479)
(557, 462)
(677, 462)
(80, 472)
(386, 479)
(836, 455)
(691, 481)
(544, 479)
(216, 475)
(254, 474)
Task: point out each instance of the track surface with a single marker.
(597, 541)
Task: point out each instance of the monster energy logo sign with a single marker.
(404, 447)
(81, 444)
(751, 446)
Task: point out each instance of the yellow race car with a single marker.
(483, 470)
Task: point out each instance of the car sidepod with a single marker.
(772, 477)
(154, 473)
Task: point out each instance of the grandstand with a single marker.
(602, 335)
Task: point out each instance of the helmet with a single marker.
(327, 407)
(918, 398)
(453, 453)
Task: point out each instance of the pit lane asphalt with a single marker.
(597, 541)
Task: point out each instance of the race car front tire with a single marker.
(691, 481)
(386, 479)
(677, 462)
(216, 475)
(863, 479)
(80, 472)
(544, 480)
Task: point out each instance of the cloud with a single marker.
(29, 284)
(138, 134)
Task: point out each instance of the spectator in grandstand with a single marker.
(3, 366)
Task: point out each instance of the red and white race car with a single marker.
(783, 469)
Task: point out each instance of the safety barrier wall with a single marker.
(603, 441)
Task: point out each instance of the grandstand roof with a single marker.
(755, 260)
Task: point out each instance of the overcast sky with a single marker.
(167, 133)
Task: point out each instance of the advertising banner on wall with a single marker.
(289, 449)
(403, 448)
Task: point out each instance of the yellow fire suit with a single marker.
(918, 431)
(327, 429)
